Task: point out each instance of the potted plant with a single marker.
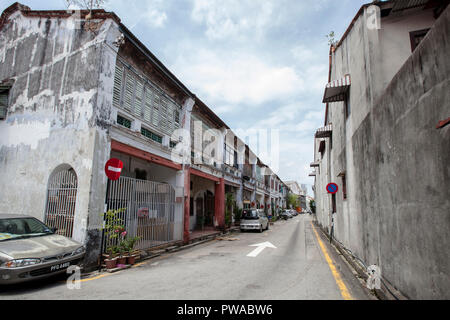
(130, 244)
(111, 260)
(123, 249)
(113, 229)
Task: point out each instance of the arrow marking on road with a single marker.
(260, 248)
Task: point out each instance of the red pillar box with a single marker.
(219, 197)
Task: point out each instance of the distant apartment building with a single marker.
(383, 145)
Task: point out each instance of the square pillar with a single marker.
(219, 199)
(187, 205)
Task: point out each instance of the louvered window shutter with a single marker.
(170, 118)
(118, 76)
(138, 98)
(148, 102)
(129, 92)
(163, 123)
(156, 111)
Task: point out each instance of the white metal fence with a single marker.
(149, 211)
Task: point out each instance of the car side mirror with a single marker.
(54, 230)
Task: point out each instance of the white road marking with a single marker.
(260, 248)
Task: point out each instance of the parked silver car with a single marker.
(254, 219)
(31, 250)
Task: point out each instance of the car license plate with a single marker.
(59, 267)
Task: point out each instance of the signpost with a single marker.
(332, 188)
(113, 169)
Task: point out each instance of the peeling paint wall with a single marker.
(58, 109)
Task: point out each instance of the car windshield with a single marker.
(19, 228)
(250, 215)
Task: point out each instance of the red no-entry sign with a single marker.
(113, 169)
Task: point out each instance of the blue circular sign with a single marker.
(332, 188)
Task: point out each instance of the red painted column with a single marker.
(219, 197)
(187, 205)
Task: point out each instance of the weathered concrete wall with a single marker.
(56, 103)
(401, 168)
(372, 57)
(102, 119)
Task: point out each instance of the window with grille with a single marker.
(123, 122)
(61, 200)
(148, 134)
(4, 94)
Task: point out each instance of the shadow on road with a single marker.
(35, 286)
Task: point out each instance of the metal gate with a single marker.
(149, 211)
(61, 200)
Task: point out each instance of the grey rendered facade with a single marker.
(385, 152)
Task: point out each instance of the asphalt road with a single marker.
(221, 270)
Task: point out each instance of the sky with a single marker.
(258, 64)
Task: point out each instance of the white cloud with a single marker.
(236, 78)
(151, 13)
(313, 67)
(155, 18)
(232, 18)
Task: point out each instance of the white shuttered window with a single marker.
(118, 79)
(148, 103)
(140, 98)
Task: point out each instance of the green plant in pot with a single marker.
(114, 227)
(132, 254)
(123, 249)
(111, 260)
